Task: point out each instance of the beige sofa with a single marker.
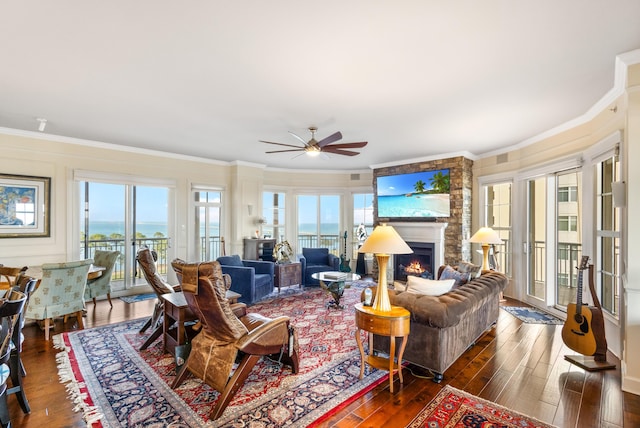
(443, 327)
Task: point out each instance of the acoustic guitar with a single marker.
(583, 331)
(344, 262)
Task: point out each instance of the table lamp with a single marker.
(485, 236)
(383, 241)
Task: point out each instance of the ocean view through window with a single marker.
(124, 218)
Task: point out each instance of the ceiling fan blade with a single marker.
(298, 137)
(330, 139)
(282, 144)
(348, 145)
(290, 150)
(330, 149)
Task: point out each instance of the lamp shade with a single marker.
(486, 235)
(385, 240)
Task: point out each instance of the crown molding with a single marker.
(109, 146)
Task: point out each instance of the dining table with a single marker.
(36, 272)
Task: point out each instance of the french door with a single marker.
(554, 238)
(125, 217)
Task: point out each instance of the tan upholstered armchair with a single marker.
(224, 335)
(102, 285)
(61, 292)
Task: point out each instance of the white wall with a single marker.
(50, 156)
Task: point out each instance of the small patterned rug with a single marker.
(138, 297)
(116, 385)
(532, 315)
(455, 408)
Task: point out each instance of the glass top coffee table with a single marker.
(335, 283)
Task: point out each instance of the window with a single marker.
(497, 201)
(319, 222)
(568, 223)
(273, 215)
(608, 259)
(568, 194)
(208, 204)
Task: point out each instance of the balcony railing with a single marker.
(159, 245)
(332, 242)
(568, 260)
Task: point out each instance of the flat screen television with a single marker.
(417, 195)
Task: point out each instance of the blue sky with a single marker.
(107, 203)
(404, 183)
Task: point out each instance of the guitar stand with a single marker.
(590, 364)
(599, 359)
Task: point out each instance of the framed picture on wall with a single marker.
(24, 206)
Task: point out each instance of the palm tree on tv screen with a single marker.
(440, 182)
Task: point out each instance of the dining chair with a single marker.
(9, 276)
(61, 292)
(10, 310)
(26, 286)
(102, 284)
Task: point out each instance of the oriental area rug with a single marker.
(116, 385)
(455, 408)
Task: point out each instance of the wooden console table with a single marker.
(393, 324)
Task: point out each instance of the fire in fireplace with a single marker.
(419, 263)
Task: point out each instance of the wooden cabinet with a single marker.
(258, 249)
(287, 274)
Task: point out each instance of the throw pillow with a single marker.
(429, 287)
(450, 273)
(474, 270)
(399, 286)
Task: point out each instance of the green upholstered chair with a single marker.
(61, 292)
(102, 284)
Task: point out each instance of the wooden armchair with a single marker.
(61, 292)
(160, 287)
(10, 276)
(223, 335)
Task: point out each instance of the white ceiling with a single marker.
(208, 78)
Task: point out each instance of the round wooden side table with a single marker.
(393, 324)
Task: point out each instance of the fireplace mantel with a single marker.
(424, 232)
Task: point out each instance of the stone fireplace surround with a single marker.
(447, 233)
(422, 232)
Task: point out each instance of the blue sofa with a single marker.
(253, 279)
(314, 260)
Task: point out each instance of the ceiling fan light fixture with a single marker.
(312, 151)
(314, 147)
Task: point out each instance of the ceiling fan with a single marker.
(314, 148)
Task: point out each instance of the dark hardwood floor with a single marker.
(520, 366)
